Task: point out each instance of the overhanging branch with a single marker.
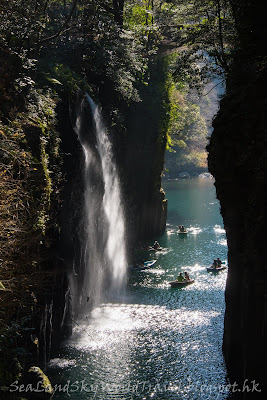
(64, 26)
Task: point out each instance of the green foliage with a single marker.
(210, 38)
(136, 16)
(121, 53)
(65, 77)
(192, 159)
(187, 134)
(41, 115)
(30, 174)
(186, 122)
(29, 157)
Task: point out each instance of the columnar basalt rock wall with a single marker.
(237, 159)
(143, 162)
(146, 206)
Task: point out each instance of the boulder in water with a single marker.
(205, 175)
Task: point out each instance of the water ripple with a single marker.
(157, 342)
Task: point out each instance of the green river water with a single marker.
(156, 342)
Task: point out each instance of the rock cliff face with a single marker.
(140, 158)
(52, 300)
(237, 159)
(143, 158)
(146, 205)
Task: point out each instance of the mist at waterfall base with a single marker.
(100, 268)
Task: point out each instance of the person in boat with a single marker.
(219, 262)
(142, 264)
(156, 245)
(180, 277)
(215, 264)
(187, 277)
(182, 229)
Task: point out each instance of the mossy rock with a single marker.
(37, 385)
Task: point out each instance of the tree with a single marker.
(205, 36)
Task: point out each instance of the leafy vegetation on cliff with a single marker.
(138, 60)
(30, 171)
(190, 128)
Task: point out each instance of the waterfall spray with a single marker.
(103, 247)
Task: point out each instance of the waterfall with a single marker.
(103, 248)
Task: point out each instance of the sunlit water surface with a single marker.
(156, 342)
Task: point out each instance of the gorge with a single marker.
(49, 153)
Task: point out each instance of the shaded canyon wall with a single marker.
(237, 159)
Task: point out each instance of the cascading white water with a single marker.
(112, 203)
(104, 248)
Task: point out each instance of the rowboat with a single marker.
(183, 232)
(150, 248)
(217, 269)
(149, 263)
(145, 265)
(176, 284)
